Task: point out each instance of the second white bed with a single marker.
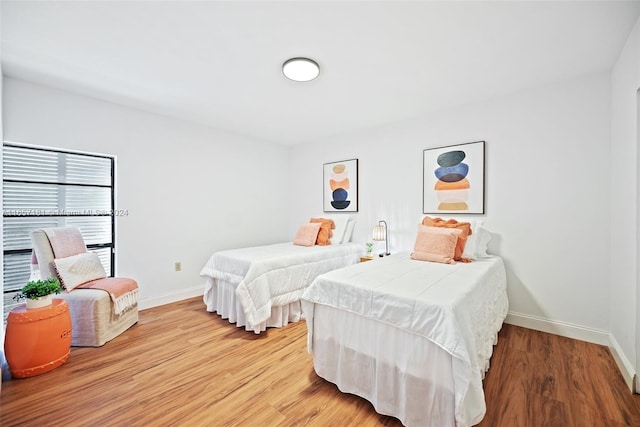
(259, 287)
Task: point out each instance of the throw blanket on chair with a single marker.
(65, 242)
(123, 292)
(68, 241)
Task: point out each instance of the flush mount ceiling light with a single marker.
(301, 69)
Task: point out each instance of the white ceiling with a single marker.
(219, 63)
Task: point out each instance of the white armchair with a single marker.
(98, 312)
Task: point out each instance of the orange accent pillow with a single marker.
(325, 233)
(435, 244)
(452, 224)
(307, 234)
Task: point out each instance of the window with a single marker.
(45, 188)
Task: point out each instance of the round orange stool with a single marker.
(39, 340)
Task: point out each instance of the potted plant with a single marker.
(369, 248)
(37, 293)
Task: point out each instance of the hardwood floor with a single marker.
(539, 379)
(182, 366)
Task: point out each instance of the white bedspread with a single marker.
(458, 307)
(274, 275)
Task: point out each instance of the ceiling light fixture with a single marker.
(300, 69)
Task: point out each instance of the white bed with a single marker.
(260, 287)
(412, 337)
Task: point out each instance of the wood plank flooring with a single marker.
(539, 379)
(182, 366)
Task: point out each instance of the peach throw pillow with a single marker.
(435, 244)
(464, 227)
(325, 233)
(307, 234)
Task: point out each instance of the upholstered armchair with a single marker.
(101, 307)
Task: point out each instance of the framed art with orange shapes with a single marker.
(340, 186)
(453, 179)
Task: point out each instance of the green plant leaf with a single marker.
(35, 289)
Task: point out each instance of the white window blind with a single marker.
(45, 188)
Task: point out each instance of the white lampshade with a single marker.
(379, 232)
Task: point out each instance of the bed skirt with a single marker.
(221, 299)
(409, 377)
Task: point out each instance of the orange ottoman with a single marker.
(38, 340)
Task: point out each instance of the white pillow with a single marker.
(476, 246)
(75, 270)
(341, 225)
(348, 233)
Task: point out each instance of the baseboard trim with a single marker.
(563, 329)
(164, 299)
(578, 332)
(625, 367)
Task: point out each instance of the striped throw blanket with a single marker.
(68, 241)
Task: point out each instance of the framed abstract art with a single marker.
(340, 186)
(453, 179)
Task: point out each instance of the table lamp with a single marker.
(380, 233)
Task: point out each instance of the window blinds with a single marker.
(45, 188)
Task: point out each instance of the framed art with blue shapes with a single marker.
(453, 179)
(340, 186)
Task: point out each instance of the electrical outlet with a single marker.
(178, 266)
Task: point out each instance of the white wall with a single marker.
(190, 190)
(623, 276)
(547, 193)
